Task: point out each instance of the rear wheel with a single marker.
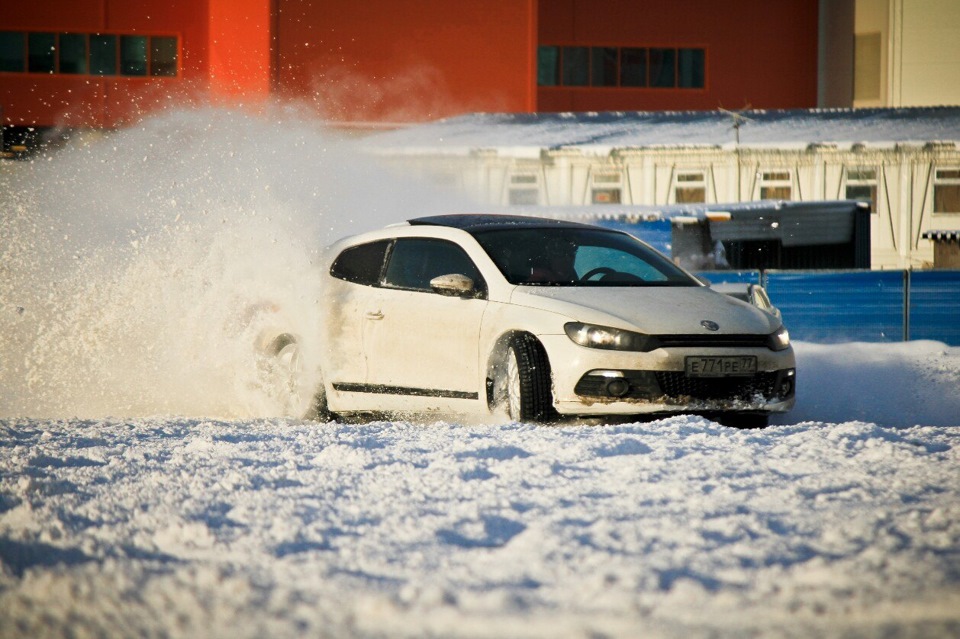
(286, 381)
(318, 411)
(527, 381)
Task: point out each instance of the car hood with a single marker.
(651, 310)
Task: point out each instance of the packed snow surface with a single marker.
(847, 525)
(149, 488)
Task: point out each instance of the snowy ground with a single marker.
(216, 519)
(679, 527)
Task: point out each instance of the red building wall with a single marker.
(239, 46)
(758, 53)
(407, 60)
(224, 49)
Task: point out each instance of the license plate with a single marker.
(721, 366)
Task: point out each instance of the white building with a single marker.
(906, 162)
(906, 53)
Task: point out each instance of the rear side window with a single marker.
(361, 264)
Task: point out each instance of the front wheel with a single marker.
(527, 381)
(746, 420)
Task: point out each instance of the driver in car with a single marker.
(553, 264)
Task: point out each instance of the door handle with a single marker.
(375, 315)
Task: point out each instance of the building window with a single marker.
(548, 66)
(691, 187)
(524, 190)
(633, 67)
(604, 66)
(41, 52)
(663, 69)
(775, 185)
(606, 196)
(133, 55)
(690, 66)
(946, 191)
(606, 187)
(576, 66)
(862, 185)
(163, 57)
(13, 51)
(73, 53)
(103, 54)
(81, 53)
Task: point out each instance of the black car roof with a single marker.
(471, 222)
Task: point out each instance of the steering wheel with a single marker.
(600, 270)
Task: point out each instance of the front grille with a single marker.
(674, 387)
(712, 341)
(677, 384)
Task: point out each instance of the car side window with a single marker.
(361, 264)
(413, 262)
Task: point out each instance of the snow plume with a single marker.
(137, 269)
(419, 93)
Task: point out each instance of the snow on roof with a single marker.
(529, 133)
(634, 213)
(474, 222)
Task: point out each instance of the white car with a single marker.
(539, 318)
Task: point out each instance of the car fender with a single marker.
(501, 322)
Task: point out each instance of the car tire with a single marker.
(286, 381)
(746, 420)
(318, 411)
(527, 393)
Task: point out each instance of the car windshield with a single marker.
(565, 256)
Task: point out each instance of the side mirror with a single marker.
(760, 299)
(453, 285)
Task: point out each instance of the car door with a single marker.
(421, 346)
(355, 277)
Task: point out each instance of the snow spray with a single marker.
(137, 268)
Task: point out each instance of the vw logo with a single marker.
(710, 326)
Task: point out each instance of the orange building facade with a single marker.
(105, 63)
(678, 55)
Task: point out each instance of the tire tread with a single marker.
(536, 403)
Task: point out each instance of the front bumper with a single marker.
(589, 381)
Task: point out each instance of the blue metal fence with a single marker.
(838, 306)
(867, 306)
(934, 306)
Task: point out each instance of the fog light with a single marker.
(617, 387)
(786, 387)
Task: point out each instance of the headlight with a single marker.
(608, 338)
(779, 340)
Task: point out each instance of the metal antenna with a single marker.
(738, 119)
